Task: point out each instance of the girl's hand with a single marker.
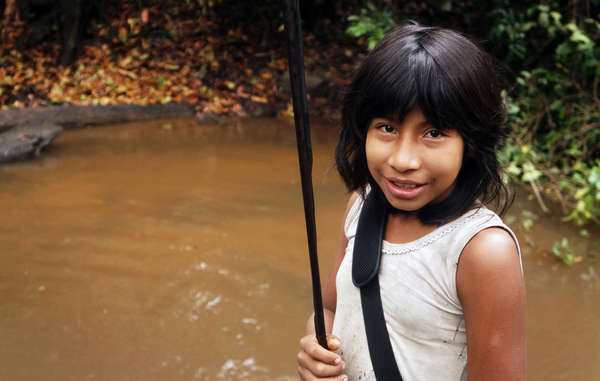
(318, 363)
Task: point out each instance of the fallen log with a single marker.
(25, 142)
(69, 116)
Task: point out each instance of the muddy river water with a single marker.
(176, 251)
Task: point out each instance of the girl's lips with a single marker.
(405, 193)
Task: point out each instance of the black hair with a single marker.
(454, 84)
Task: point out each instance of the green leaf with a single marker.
(556, 249)
(556, 17)
(581, 193)
(530, 173)
(513, 169)
(564, 183)
(527, 224)
(544, 20)
(594, 177)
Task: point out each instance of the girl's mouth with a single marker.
(405, 190)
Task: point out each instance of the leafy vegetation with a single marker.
(554, 111)
(372, 23)
(549, 55)
(562, 251)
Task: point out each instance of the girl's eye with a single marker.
(434, 133)
(388, 128)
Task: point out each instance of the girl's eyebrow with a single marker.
(422, 123)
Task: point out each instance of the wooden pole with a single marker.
(296, 64)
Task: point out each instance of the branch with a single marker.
(538, 196)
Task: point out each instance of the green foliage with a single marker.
(562, 251)
(587, 194)
(371, 23)
(553, 107)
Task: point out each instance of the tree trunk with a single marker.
(11, 11)
(11, 17)
(71, 24)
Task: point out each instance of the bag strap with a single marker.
(365, 268)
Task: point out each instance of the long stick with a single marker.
(296, 64)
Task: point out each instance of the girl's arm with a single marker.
(330, 294)
(491, 289)
(313, 360)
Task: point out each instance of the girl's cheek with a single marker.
(453, 153)
(370, 151)
(450, 163)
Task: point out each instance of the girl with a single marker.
(421, 124)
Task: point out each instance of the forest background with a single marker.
(227, 58)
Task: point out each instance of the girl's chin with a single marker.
(403, 206)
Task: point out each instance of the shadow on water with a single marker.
(172, 250)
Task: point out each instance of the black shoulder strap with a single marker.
(365, 269)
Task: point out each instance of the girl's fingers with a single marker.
(306, 375)
(333, 343)
(319, 368)
(310, 345)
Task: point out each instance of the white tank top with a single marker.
(423, 313)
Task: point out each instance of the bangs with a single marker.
(409, 78)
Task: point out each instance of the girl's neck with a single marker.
(405, 227)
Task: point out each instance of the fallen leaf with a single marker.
(145, 16)
(257, 99)
(123, 34)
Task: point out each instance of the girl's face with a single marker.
(413, 163)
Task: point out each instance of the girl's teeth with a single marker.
(407, 186)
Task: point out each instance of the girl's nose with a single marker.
(404, 157)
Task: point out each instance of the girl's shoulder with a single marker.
(353, 208)
(491, 248)
(486, 228)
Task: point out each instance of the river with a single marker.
(172, 250)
